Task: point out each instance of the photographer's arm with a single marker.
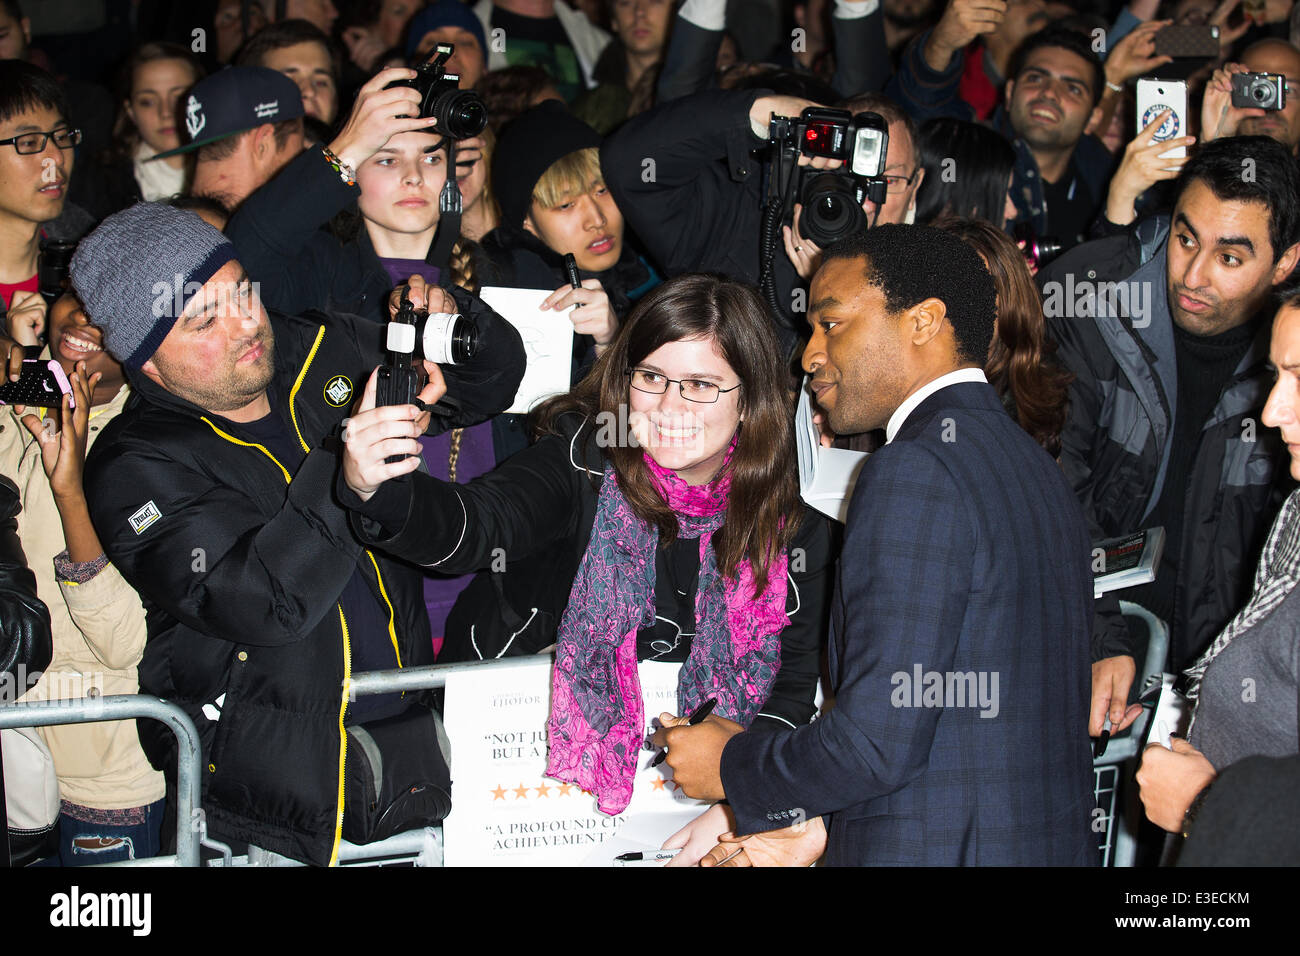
(690, 62)
(861, 57)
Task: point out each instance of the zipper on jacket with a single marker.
(343, 625)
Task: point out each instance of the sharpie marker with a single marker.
(571, 270)
(655, 856)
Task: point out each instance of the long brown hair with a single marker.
(763, 509)
(1019, 360)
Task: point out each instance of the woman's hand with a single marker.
(373, 434)
(798, 845)
(700, 835)
(592, 316)
(26, 318)
(804, 254)
(63, 452)
(1169, 781)
(1141, 168)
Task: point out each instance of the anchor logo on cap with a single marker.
(194, 118)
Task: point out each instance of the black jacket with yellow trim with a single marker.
(241, 566)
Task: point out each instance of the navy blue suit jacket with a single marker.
(959, 658)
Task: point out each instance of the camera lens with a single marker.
(830, 209)
(464, 341)
(460, 113)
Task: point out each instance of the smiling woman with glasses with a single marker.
(648, 522)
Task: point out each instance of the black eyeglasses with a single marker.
(29, 143)
(691, 389)
(896, 184)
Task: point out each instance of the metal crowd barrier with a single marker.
(190, 829)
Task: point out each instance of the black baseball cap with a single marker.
(236, 99)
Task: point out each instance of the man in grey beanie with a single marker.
(213, 494)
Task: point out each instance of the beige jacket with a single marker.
(99, 633)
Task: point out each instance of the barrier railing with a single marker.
(189, 826)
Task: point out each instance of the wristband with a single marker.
(1114, 87)
(346, 172)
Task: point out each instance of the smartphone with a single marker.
(1154, 96)
(1187, 42)
(42, 384)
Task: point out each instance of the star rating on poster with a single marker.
(522, 792)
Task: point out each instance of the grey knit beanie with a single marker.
(137, 271)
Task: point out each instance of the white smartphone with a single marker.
(1154, 96)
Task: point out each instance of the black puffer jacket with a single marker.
(536, 511)
(1118, 434)
(241, 567)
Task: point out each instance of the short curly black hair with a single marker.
(912, 263)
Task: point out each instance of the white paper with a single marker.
(826, 475)
(506, 812)
(548, 343)
(1173, 715)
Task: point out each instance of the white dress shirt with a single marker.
(925, 391)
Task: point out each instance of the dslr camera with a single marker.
(461, 113)
(831, 198)
(1261, 91)
(443, 338)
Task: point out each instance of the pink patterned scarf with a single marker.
(596, 726)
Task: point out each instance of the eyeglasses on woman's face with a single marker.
(691, 389)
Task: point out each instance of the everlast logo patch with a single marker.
(338, 390)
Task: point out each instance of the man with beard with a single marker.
(212, 495)
(1166, 331)
(1056, 82)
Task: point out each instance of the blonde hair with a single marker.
(569, 176)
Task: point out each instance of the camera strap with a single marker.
(450, 207)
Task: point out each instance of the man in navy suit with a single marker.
(962, 617)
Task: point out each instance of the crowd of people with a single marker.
(1046, 327)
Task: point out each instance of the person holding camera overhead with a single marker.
(717, 565)
(684, 174)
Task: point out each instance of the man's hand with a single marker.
(760, 114)
(1112, 678)
(25, 319)
(595, 318)
(63, 453)
(695, 753)
(961, 23)
(1169, 781)
(372, 434)
(1219, 118)
(379, 114)
(1141, 168)
(431, 298)
(1135, 54)
(700, 835)
(799, 845)
(804, 254)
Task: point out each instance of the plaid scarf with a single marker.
(597, 715)
(1279, 569)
